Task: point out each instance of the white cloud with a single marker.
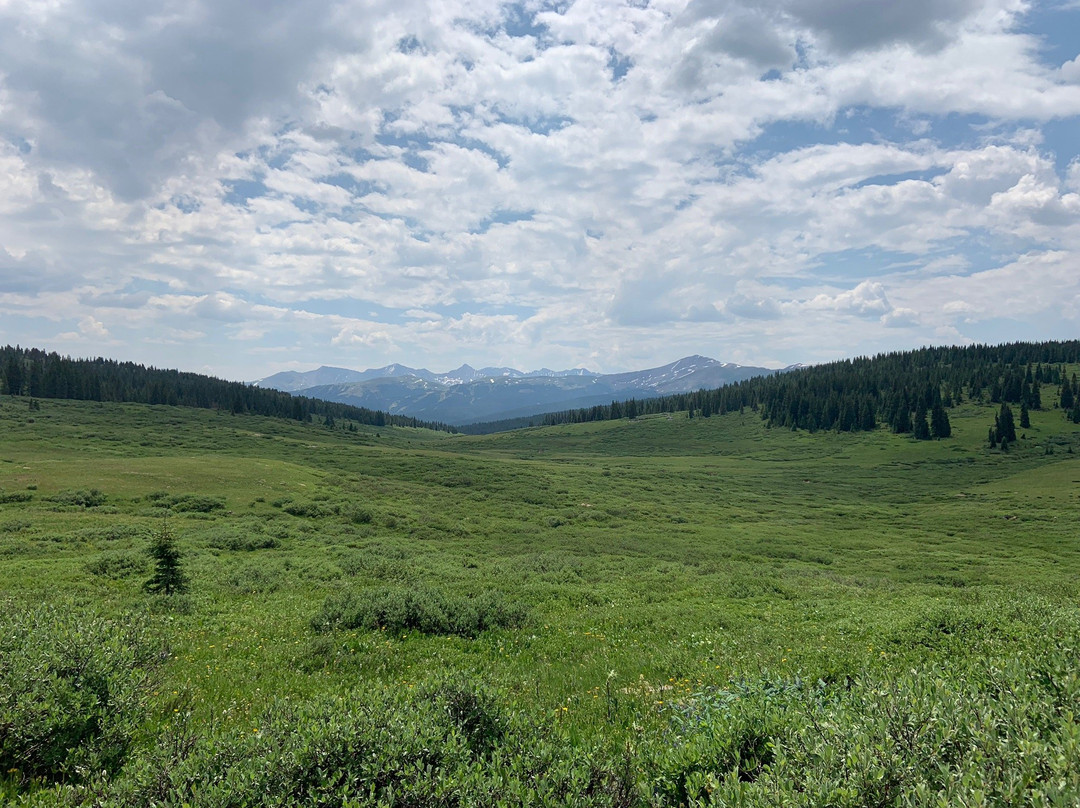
(1070, 71)
(89, 327)
(900, 318)
(525, 181)
(866, 299)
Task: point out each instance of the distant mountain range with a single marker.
(467, 395)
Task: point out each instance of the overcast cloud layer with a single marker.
(242, 188)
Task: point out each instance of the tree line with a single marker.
(40, 374)
(909, 391)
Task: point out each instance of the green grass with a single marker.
(649, 565)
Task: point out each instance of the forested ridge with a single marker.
(40, 374)
(909, 391)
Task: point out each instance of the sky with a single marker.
(243, 188)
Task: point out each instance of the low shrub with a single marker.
(382, 563)
(377, 748)
(474, 710)
(419, 608)
(357, 514)
(250, 579)
(109, 533)
(118, 565)
(7, 497)
(80, 498)
(311, 510)
(187, 503)
(1004, 728)
(72, 691)
(241, 541)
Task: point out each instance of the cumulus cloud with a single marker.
(866, 299)
(90, 327)
(478, 177)
(900, 318)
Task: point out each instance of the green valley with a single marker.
(653, 611)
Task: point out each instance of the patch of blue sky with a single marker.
(518, 20)
(370, 310)
(540, 124)
(146, 285)
(865, 124)
(19, 142)
(618, 64)
(521, 21)
(1062, 139)
(361, 155)
(996, 330)
(979, 253)
(848, 268)
(185, 203)
(353, 185)
(858, 125)
(350, 307)
(409, 44)
(239, 191)
(503, 217)
(308, 206)
(1057, 25)
(480, 146)
(781, 137)
(893, 179)
(275, 157)
(458, 310)
(19, 329)
(411, 146)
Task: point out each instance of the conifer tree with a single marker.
(919, 425)
(1006, 426)
(902, 423)
(1025, 419)
(939, 422)
(168, 578)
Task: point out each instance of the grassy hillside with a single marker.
(657, 611)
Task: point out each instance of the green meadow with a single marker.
(659, 611)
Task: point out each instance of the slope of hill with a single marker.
(899, 389)
(40, 374)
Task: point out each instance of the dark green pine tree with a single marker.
(900, 416)
(1025, 419)
(1034, 398)
(867, 419)
(1006, 426)
(991, 438)
(1066, 395)
(168, 578)
(939, 422)
(919, 425)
